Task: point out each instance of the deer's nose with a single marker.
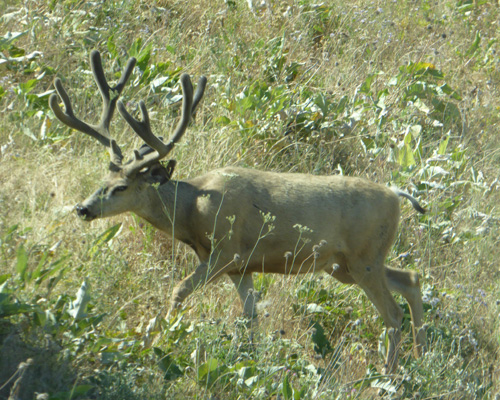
(83, 212)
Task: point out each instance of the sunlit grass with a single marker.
(402, 93)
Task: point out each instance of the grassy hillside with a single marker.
(400, 92)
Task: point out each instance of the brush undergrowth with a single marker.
(401, 92)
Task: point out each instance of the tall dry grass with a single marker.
(295, 51)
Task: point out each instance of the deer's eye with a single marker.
(119, 189)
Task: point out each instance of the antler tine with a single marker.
(101, 130)
(187, 104)
(68, 118)
(109, 100)
(198, 95)
(143, 127)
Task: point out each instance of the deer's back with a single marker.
(280, 210)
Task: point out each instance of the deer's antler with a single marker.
(109, 95)
(143, 127)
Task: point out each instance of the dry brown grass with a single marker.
(455, 250)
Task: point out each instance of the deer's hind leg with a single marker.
(407, 284)
(371, 278)
(248, 297)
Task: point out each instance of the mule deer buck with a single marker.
(239, 221)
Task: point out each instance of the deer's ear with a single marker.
(160, 174)
(170, 168)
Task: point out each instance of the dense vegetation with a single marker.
(400, 92)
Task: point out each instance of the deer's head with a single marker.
(127, 182)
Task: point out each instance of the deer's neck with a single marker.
(168, 208)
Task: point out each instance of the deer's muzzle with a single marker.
(84, 213)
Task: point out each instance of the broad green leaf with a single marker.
(22, 262)
(466, 7)
(77, 307)
(408, 138)
(80, 390)
(475, 45)
(252, 381)
(76, 392)
(58, 265)
(393, 81)
(340, 107)
(381, 97)
(416, 90)
(112, 46)
(366, 85)
(43, 259)
(405, 156)
(210, 371)
(357, 114)
(321, 101)
(313, 308)
(287, 390)
(4, 297)
(443, 146)
(159, 81)
(108, 234)
(135, 48)
(446, 111)
(421, 69)
(447, 89)
(321, 344)
(207, 367)
(384, 384)
(223, 120)
(10, 37)
(415, 131)
(422, 106)
(3, 279)
(142, 55)
(7, 309)
(28, 86)
(419, 66)
(368, 143)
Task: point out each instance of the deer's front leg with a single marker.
(198, 278)
(188, 285)
(248, 296)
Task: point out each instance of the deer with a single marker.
(240, 220)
